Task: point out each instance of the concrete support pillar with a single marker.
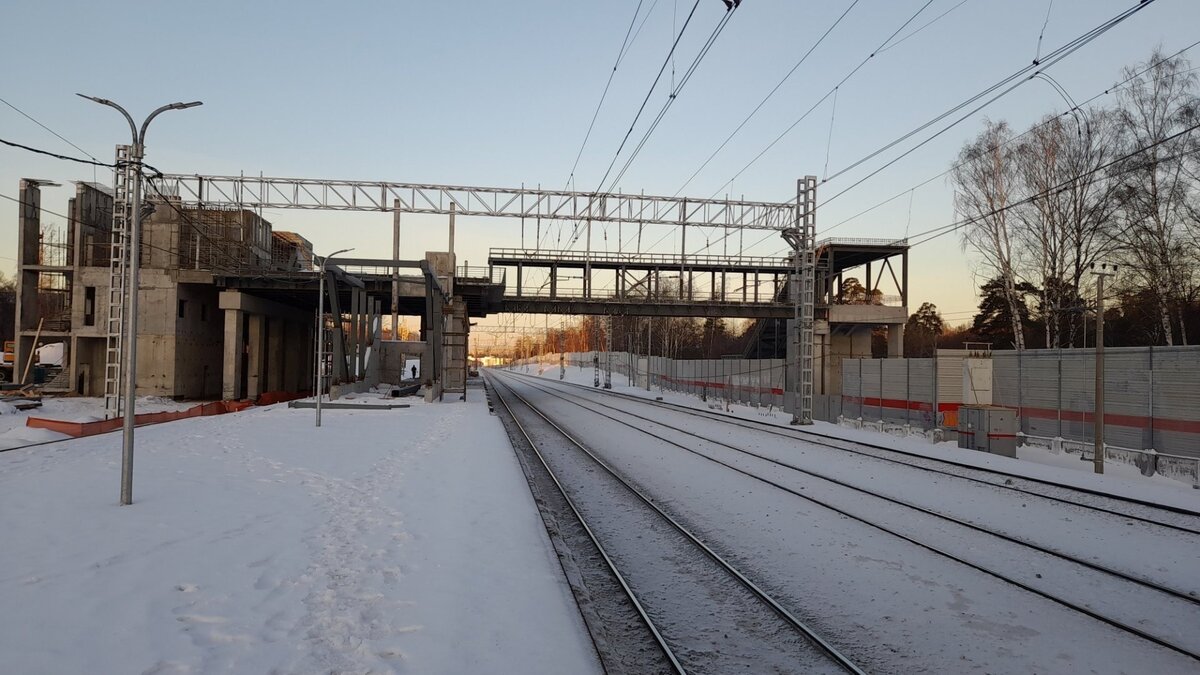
(276, 355)
(255, 357)
(231, 373)
(352, 343)
(895, 340)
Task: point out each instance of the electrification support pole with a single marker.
(608, 354)
(649, 358)
(130, 310)
(1101, 271)
(803, 241)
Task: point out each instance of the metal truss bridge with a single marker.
(524, 202)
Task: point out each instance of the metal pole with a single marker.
(137, 152)
(1098, 417)
(649, 363)
(320, 338)
(396, 272)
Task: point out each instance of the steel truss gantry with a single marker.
(524, 202)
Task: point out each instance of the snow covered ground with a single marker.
(872, 555)
(1118, 479)
(13, 431)
(385, 541)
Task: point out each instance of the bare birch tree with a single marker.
(1067, 225)
(984, 178)
(1155, 185)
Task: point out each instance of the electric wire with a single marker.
(1078, 108)
(766, 98)
(55, 133)
(55, 155)
(1052, 58)
(607, 85)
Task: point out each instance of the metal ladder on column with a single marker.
(118, 274)
(806, 221)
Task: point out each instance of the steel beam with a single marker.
(342, 195)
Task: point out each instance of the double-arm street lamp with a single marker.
(320, 365)
(137, 151)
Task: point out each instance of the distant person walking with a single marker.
(414, 372)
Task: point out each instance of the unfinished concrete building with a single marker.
(226, 304)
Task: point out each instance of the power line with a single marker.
(653, 86)
(766, 98)
(808, 112)
(675, 93)
(1111, 90)
(56, 134)
(1052, 58)
(620, 55)
(936, 232)
(57, 156)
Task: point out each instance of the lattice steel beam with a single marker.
(336, 195)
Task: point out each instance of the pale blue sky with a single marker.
(500, 93)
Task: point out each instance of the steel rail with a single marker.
(1182, 595)
(808, 436)
(783, 613)
(662, 643)
(929, 547)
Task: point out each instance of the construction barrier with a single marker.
(81, 429)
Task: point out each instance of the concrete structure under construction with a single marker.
(227, 305)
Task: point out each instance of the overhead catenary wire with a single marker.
(1016, 79)
(620, 56)
(1020, 76)
(1078, 108)
(712, 38)
(821, 100)
(653, 85)
(766, 98)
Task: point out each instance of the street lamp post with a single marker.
(321, 329)
(131, 301)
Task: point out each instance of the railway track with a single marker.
(1163, 515)
(1178, 602)
(706, 615)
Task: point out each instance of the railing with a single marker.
(1149, 462)
(861, 241)
(611, 295)
(664, 260)
(493, 275)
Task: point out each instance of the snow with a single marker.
(893, 605)
(1034, 462)
(14, 433)
(385, 541)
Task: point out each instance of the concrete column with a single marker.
(352, 343)
(895, 340)
(276, 356)
(255, 361)
(231, 372)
